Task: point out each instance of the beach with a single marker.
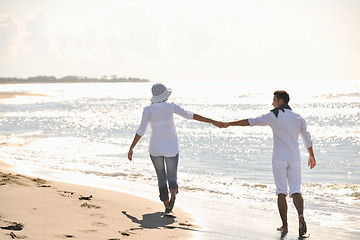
(38, 209)
(79, 134)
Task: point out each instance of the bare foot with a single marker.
(283, 229)
(302, 226)
(169, 207)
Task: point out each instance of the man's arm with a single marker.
(243, 123)
(311, 161)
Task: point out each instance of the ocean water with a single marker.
(81, 133)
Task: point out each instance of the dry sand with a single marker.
(37, 209)
(4, 95)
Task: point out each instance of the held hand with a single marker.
(218, 124)
(226, 125)
(311, 162)
(130, 153)
(223, 125)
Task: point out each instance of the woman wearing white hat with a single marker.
(163, 147)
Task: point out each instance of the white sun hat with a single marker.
(160, 93)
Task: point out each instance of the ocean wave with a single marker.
(340, 95)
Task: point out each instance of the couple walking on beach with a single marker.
(285, 124)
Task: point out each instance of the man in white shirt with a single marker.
(286, 126)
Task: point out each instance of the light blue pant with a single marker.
(168, 175)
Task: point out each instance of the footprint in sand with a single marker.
(66, 193)
(89, 231)
(65, 236)
(99, 224)
(98, 215)
(17, 236)
(85, 198)
(130, 231)
(14, 226)
(185, 224)
(86, 205)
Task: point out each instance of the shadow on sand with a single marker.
(157, 221)
(284, 236)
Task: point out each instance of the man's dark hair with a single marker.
(281, 94)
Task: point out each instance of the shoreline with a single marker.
(35, 208)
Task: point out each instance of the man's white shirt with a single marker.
(286, 129)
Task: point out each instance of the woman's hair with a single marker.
(281, 94)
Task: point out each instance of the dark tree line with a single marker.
(70, 79)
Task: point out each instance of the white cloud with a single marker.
(21, 37)
(11, 36)
(37, 34)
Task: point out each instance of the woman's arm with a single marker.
(140, 132)
(135, 141)
(207, 120)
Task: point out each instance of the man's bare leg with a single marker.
(282, 205)
(298, 202)
(299, 205)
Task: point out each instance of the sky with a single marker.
(194, 40)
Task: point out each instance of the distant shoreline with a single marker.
(68, 79)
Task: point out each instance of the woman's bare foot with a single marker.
(170, 205)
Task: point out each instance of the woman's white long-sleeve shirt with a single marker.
(163, 139)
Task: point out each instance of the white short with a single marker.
(287, 173)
